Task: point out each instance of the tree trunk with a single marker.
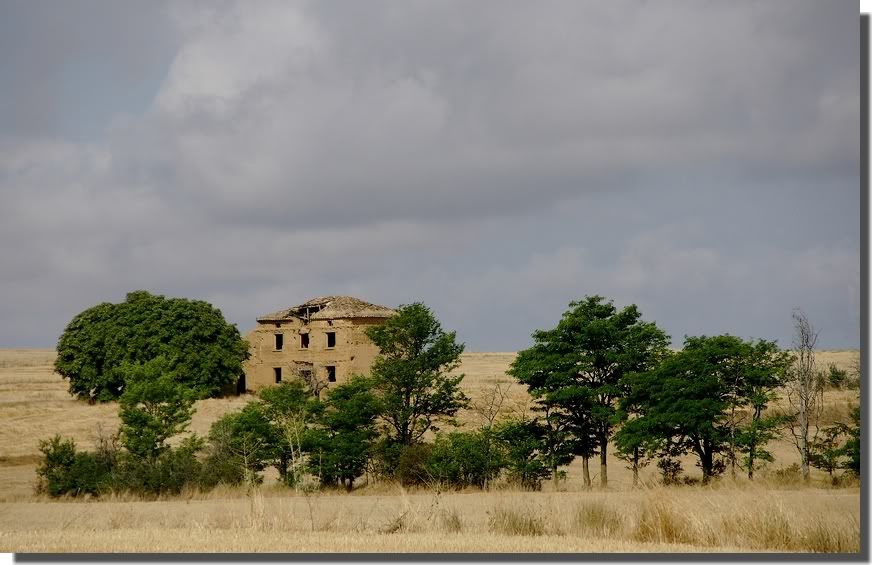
(585, 471)
(604, 471)
(705, 458)
(706, 462)
(283, 467)
(635, 467)
(803, 441)
(733, 442)
(752, 445)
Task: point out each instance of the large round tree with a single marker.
(203, 351)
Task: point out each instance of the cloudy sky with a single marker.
(494, 159)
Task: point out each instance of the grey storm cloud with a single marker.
(494, 159)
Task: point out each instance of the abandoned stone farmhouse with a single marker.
(322, 341)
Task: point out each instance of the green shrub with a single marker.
(247, 438)
(66, 471)
(465, 459)
(670, 470)
(837, 378)
(523, 444)
(168, 473)
(220, 470)
(406, 464)
(412, 464)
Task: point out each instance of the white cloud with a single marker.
(402, 152)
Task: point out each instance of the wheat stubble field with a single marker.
(771, 514)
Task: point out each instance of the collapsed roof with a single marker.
(330, 308)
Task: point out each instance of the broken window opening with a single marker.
(280, 341)
(304, 341)
(331, 373)
(331, 339)
(277, 371)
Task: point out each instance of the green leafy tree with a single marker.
(753, 372)
(636, 444)
(522, 440)
(578, 367)
(340, 447)
(202, 350)
(827, 449)
(293, 411)
(411, 374)
(249, 438)
(752, 440)
(852, 445)
(560, 443)
(683, 403)
(153, 408)
(708, 399)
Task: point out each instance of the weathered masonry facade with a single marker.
(322, 342)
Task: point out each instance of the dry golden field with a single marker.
(767, 515)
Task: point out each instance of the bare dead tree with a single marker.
(315, 384)
(294, 428)
(804, 389)
(488, 408)
(490, 405)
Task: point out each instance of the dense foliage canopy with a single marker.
(412, 374)
(576, 370)
(707, 399)
(202, 350)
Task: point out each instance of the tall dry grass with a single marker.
(661, 519)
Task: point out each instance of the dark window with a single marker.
(304, 341)
(331, 373)
(278, 373)
(331, 339)
(280, 341)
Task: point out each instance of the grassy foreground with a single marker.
(685, 519)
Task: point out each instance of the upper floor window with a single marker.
(304, 341)
(280, 341)
(331, 339)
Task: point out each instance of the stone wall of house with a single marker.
(352, 354)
